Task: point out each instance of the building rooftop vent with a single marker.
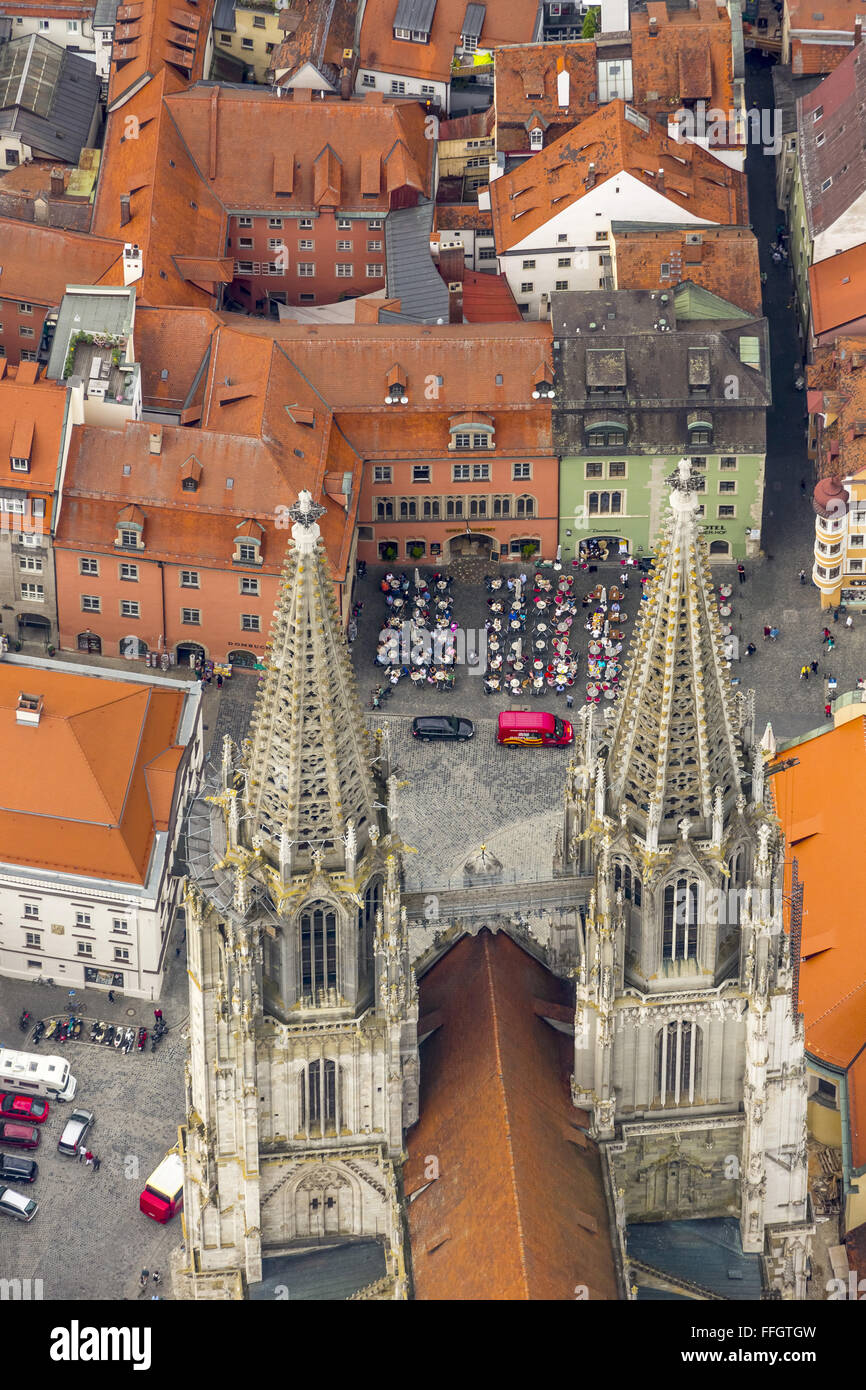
(28, 709)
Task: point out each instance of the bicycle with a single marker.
(45, 980)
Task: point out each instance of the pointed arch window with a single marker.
(736, 884)
(366, 930)
(680, 920)
(318, 1095)
(317, 928)
(679, 1058)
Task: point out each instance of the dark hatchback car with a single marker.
(15, 1169)
(442, 726)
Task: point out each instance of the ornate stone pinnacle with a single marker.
(305, 512)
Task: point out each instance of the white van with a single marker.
(34, 1074)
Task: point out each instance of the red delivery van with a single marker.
(163, 1193)
(528, 729)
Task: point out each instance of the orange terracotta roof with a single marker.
(172, 211)
(42, 10)
(175, 341)
(504, 22)
(324, 143)
(158, 36)
(725, 262)
(37, 409)
(693, 180)
(824, 827)
(320, 34)
(37, 263)
(455, 217)
(835, 16)
(837, 288)
(161, 775)
(517, 1211)
(83, 808)
(837, 397)
(811, 59)
(488, 299)
(525, 83)
(690, 59)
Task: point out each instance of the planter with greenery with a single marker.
(591, 22)
(416, 552)
(528, 550)
(389, 553)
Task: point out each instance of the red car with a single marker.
(19, 1136)
(15, 1107)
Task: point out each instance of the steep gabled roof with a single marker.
(722, 259)
(37, 263)
(516, 1209)
(525, 79)
(615, 140)
(504, 22)
(833, 172)
(154, 36)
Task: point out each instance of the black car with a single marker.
(15, 1169)
(428, 726)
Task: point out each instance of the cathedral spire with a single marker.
(675, 738)
(309, 767)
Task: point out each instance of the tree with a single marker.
(590, 24)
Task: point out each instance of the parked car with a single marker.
(16, 1169)
(17, 1107)
(74, 1132)
(15, 1204)
(532, 729)
(442, 726)
(19, 1136)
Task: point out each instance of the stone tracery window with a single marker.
(678, 1058)
(317, 928)
(680, 920)
(318, 1085)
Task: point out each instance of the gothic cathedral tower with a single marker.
(303, 1068)
(687, 1049)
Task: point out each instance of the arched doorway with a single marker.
(90, 642)
(133, 648)
(187, 653)
(246, 660)
(470, 543)
(32, 626)
(720, 548)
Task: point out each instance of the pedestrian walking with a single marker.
(157, 1014)
(802, 576)
(804, 673)
(849, 621)
(219, 682)
(766, 631)
(82, 1153)
(143, 1278)
(176, 952)
(741, 572)
(835, 615)
(111, 996)
(814, 666)
(774, 634)
(751, 649)
(828, 712)
(569, 700)
(88, 1158)
(831, 642)
(825, 634)
(155, 1277)
(96, 1163)
(803, 490)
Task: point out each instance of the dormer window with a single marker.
(413, 20)
(396, 383)
(248, 544)
(606, 434)
(129, 534)
(471, 431)
(700, 430)
(20, 465)
(542, 382)
(190, 474)
(536, 138)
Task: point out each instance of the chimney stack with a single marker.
(653, 27)
(661, 180)
(58, 187)
(155, 439)
(858, 30)
(455, 301)
(125, 214)
(28, 709)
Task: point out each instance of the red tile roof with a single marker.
(84, 807)
(837, 288)
(504, 22)
(725, 262)
(833, 173)
(525, 84)
(175, 341)
(37, 263)
(323, 148)
(158, 36)
(825, 827)
(517, 1210)
(693, 181)
(691, 57)
(810, 59)
(34, 409)
(488, 299)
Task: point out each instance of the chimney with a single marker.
(302, 96)
(58, 187)
(133, 263)
(155, 439)
(451, 258)
(858, 29)
(562, 83)
(661, 180)
(28, 709)
(125, 214)
(455, 301)
(214, 131)
(653, 27)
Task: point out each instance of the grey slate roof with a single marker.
(833, 174)
(48, 96)
(88, 313)
(105, 14)
(412, 276)
(786, 92)
(332, 1274)
(708, 1253)
(474, 21)
(224, 15)
(415, 14)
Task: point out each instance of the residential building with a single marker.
(542, 90)
(92, 344)
(552, 218)
(828, 193)
(407, 47)
(722, 260)
(787, 91)
(49, 102)
(837, 296)
(38, 263)
(464, 147)
(818, 41)
(316, 48)
(836, 401)
(51, 194)
(34, 435)
(466, 221)
(823, 825)
(454, 426)
(67, 23)
(173, 346)
(308, 226)
(643, 378)
(495, 1033)
(294, 915)
(248, 32)
(688, 1039)
(89, 837)
(104, 23)
(167, 39)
